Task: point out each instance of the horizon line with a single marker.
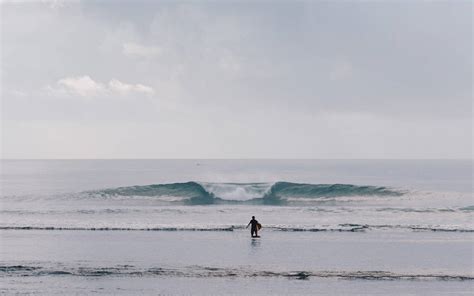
(231, 158)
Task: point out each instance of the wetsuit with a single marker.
(253, 229)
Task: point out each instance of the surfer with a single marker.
(255, 227)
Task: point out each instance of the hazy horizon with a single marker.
(192, 158)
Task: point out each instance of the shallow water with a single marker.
(128, 262)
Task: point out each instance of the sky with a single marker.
(236, 79)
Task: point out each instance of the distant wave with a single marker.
(467, 209)
(216, 272)
(279, 193)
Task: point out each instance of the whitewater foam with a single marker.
(237, 191)
(346, 227)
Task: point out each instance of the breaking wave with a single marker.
(279, 193)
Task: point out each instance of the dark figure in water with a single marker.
(254, 228)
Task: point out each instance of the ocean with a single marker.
(178, 227)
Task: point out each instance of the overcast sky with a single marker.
(240, 79)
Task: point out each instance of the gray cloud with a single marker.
(249, 77)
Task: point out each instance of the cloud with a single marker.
(124, 88)
(138, 50)
(84, 86)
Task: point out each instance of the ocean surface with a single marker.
(330, 227)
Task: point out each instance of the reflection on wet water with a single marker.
(255, 244)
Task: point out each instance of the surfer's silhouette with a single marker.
(255, 227)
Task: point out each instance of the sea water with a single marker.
(178, 226)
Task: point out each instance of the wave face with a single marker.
(279, 193)
(190, 192)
